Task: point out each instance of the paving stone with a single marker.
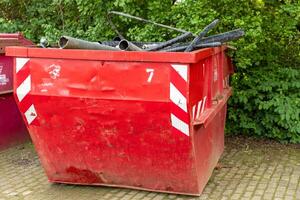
(256, 198)
(235, 196)
(289, 198)
(247, 194)
(158, 197)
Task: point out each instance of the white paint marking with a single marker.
(198, 109)
(194, 111)
(3, 79)
(151, 73)
(24, 88)
(54, 71)
(20, 62)
(30, 114)
(180, 125)
(181, 70)
(203, 106)
(177, 98)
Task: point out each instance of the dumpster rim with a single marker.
(103, 55)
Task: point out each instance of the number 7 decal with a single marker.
(151, 73)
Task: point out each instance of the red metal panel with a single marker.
(105, 80)
(199, 88)
(61, 78)
(208, 146)
(134, 81)
(136, 121)
(12, 128)
(104, 142)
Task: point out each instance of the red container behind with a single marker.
(146, 120)
(12, 127)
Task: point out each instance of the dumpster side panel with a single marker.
(209, 145)
(208, 119)
(135, 80)
(199, 95)
(110, 124)
(96, 79)
(56, 77)
(100, 142)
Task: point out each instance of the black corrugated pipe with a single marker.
(224, 37)
(198, 46)
(201, 35)
(170, 42)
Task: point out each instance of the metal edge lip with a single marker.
(103, 55)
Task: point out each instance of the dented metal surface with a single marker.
(125, 123)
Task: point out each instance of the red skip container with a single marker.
(144, 120)
(12, 128)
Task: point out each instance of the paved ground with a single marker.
(249, 169)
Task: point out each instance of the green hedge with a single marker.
(266, 100)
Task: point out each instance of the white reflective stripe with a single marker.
(177, 98)
(203, 106)
(198, 109)
(180, 125)
(30, 114)
(24, 88)
(181, 70)
(20, 62)
(194, 111)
